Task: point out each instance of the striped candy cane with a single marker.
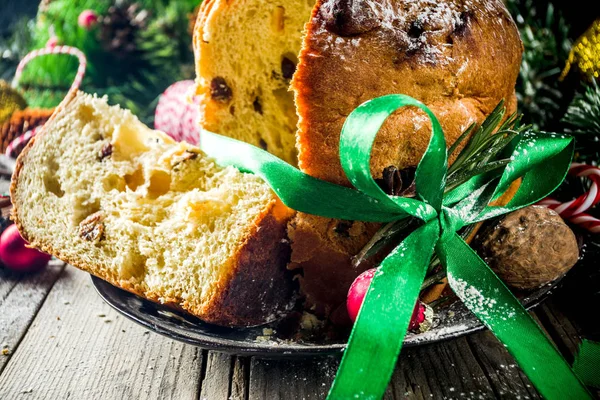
(23, 139)
(20, 141)
(574, 210)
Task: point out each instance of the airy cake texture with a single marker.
(459, 57)
(100, 190)
(247, 52)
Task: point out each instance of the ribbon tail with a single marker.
(490, 300)
(587, 363)
(379, 330)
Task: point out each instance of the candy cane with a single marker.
(55, 50)
(574, 210)
(20, 140)
(23, 139)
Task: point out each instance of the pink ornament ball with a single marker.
(357, 293)
(87, 19)
(16, 256)
(178, 112)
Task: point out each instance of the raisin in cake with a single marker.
(101, 191)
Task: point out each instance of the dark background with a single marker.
(11, 10)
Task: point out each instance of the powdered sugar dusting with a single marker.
(418, 28)
(477, 302)
(471, 296)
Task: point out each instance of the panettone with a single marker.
(459, 57)
(101, 191)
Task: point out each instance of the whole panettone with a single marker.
(460, 58)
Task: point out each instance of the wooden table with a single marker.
(63, 342)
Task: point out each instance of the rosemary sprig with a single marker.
(480, 155)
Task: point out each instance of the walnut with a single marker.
(529, 247)
(92, 228)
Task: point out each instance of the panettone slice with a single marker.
(103, 192)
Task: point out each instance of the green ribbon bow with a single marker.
(540, 160)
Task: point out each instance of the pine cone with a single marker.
(10, 101)
(119, 28)
(20, 122)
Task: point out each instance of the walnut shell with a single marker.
(529, 247)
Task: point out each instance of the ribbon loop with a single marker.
(356, 143)
(541, 172)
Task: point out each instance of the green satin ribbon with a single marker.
(540, 160)
(587, 363)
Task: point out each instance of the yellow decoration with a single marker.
(585, 53)
(10, 101)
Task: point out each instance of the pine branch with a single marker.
(545, 35)
(582, 120)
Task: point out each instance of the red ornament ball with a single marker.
(87, 19)
(357, 293)
(16, 256)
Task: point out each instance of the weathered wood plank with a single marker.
(216, 382)
(507, 379)
(291, 379)
(78, 347)
(20, 299)
(445, 370)
(240, 379)
(226, 377)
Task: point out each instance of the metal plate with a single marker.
(449, 322)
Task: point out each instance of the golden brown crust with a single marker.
(458, 57)
(322, 249)
(244, 297)
(259, 288)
